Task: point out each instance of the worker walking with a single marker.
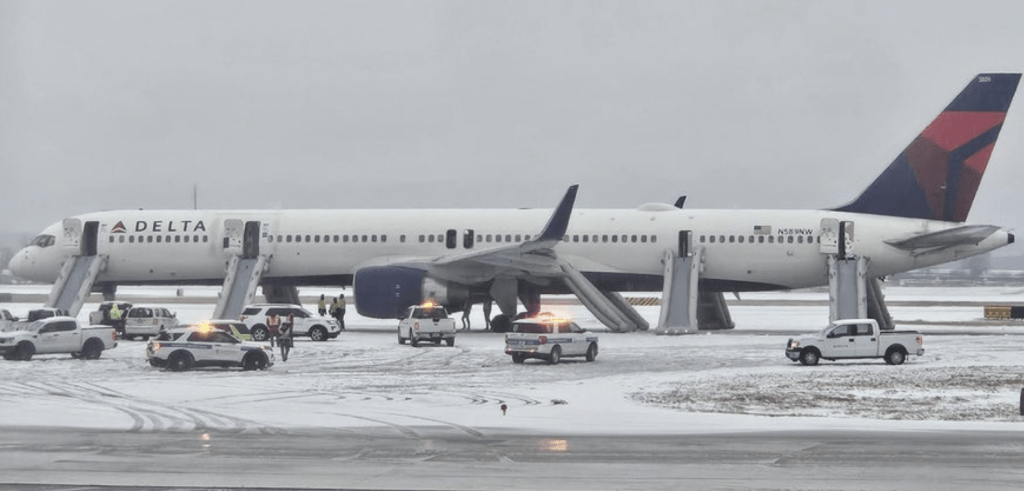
(321, 306)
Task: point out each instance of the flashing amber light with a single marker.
(428, 304)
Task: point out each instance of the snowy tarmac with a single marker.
(719, 410)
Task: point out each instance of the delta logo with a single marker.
(119, 228)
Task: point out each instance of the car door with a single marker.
(841, 343)
(225, 347)
(866, 340)
(302, 322)
(58, 337)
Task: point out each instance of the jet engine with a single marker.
(384, 292)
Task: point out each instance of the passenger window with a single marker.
(508, 237)
(732, 239)
(740, 239)
(383, 238)
(373, 238)
(633, 239)
(364, 239)
(789, 239)
(760, 239)
(643, 238)
(654, 238)
(615, 238)
(604, 238)
(288, 238)
(131, 239)
(158, 239)
(519, 238)
(586, 238)
(316, 238)
(111, 239)
(800, 239)
(401, 238)
(121, 239)
(431, 238)
(771, 239)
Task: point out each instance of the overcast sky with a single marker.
(366, 104)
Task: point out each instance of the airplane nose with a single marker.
(19, 264)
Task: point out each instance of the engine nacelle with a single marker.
(384, 292)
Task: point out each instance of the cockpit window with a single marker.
(43, 241)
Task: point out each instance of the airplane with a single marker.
(912, 216)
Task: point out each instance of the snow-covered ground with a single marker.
(969, 378)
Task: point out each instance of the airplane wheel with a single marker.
(501, 323)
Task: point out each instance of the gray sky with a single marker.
(738, 104)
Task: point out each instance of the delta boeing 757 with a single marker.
(911, 216)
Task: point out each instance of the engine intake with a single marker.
(384, 292)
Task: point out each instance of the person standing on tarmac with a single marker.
(465, 315)
(274, 326)
(321, 306)
(341, 311)
(487, 314)
(284, 339)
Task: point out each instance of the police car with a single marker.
(202, 346)
(549, 338)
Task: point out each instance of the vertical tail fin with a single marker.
(937, 176)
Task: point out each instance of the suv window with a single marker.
(278, 311)
(140, 312)
(251, 311)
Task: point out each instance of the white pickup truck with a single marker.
(426, 322)
(855, 338)
(57, 335)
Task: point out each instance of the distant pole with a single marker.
(1022, 402)
(195, 196)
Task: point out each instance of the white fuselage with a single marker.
(742, 249)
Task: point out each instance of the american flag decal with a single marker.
(763, 229)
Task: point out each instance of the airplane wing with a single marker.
(535, 257)
(944, 239)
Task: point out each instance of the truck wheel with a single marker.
(413, 341)
(450, 341)
(318, 333)
(591, 351)
(180, 361)
(895, 356)
(555, 356)
(809, 357)
(260, 333)
(254, 360)
(24, 351)
(401, 340)
(92, 349)
(518, 357)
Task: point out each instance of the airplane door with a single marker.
(467, 238)
(233, 233)
(829, 236)
(251, 240)
(90, 236)
(684, 243)
(72, 231)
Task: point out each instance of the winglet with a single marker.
(559, 221)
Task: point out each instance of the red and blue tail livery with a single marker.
(937, 176)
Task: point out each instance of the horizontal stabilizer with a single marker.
(966, 235)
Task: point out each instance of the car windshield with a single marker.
(44, 240)
(429, 313)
